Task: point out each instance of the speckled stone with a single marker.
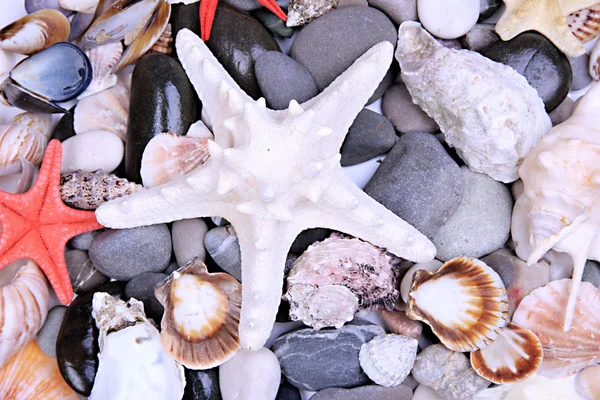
(406, 116)
(46, 338)
(370, 135)
(369, 392)
(288, 392)
(397, 10)
(188, 239)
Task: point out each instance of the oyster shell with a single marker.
(31, 374)
(515, 355)
(24, 304)
(474, 299)
(132, 362)
(585, 24)
(388, 359)
(486, 110)
(543, 312)
(199, 328)
(103, 59)
(35, 32)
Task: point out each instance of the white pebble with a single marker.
(92, 151)
(250, 375)
(448, 19)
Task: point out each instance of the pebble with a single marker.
(448, 19)
(370, 135)
(223, 246)
(481, 224)
(82, 272)
(173, 266)
(92, 151)
(250, 375)
(581, 72)
(308, 237)
(591, 273)
(281, 79)
(83, 241)
(329, 45)
(369, 392)
(353, 3)
(46, 338)
(288, 392)
(406, 116)
(202, 384)
(188, 239)
(397, 10)
(480, 38)
(141, 288)
(487, 8)
(246, 5)
(563, 112)
(125, 253)
(545, 67)
(273, 23)
(412, 178)
(398, 323)
(64, 129)
(406, 282)
(587, 382)
(561, 265)
(447, 372)
(315, 360)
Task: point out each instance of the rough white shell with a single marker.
(26, 137)
(24, 303)
(103, 59)
(388, 359)
(486, 110)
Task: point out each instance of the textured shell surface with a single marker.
(103, 58)
(595, 62)
(35, 32)
(301, 12)
(26, 137)
(486, 110)
(543, 311)
(164, 44)
(585, 23)
(89, 190)
(202, 312)
(24, 304)
(474, 299)
(32, 374)
(388, 359)
(560, 206)
(515, 355)
(83, 6)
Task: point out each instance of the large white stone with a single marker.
(448, 19)
(92, 151)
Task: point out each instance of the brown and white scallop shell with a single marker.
(103, 59)
(514, 356)
(585, 23)
(202, 312)
(24, 303)
(35, 32)
(464, 302)
(543, 312)
(26, 137)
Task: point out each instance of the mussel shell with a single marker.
(59, 73)
(19, 97)
(79, 24)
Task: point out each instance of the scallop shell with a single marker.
(543, 311)
(82, 6)
(388, 359)
(202, 313)
(31, 374)
(595, 62)
(107, 110)
(164, 44)
(24, 304)
(35, 32)
(585, 24)
(514, 356)
(474, 303)
(26, 137)
(103, 59)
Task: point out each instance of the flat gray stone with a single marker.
(82, 272)
(370, 135)
(142, 288)
(223, 246)
(406, 116)
(188, 240)
(369, 392)
(397, 10)
(46, 337)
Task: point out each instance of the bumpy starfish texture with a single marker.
(37, 225)
(549, 17)
(273, 174)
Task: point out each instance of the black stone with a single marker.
(487, 8)
(142, 288)
(273, 23)
(288, 392)
(370, 135)
(202, 385)
(308, 237)
(64, 129)
(184, 16)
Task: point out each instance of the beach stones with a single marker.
(544, 66)
(448, 19)
(397, 10)
(92, 151)
(480, 38)
(370, 135)
(223, 246)
(487, 8)
(288, 392)
(125, 253)
(46, 338)
(373, 392)
(405, 115)
(141, 288)
(411, 180)
(591, 273)
(314, 360)
(83, 241)
(202, 384)
(188, 239)
(82, 272)
(581, 74)
(281, 79)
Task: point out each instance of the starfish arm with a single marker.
(208, 8)
(272, 6)
(346, 208)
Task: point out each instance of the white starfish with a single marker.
(273, 174)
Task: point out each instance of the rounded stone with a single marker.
(92, 151)
(83, 241)
(581, 71)
(202, 384)
(480, 38)
(563, 112)
(370, 135)
(188, 239)
(369, 392)
(82, 272)
(125, 253)
(223, 246)
(273, 23)
(288, 392)
(487, 8)
(448, 19)
(142, 288)
(47, 336)
(591, 273)
(406, 116)
(397, 10)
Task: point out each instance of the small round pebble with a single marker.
(46, 338)
(92, 151)
(448, 19)
(223, 246)
(480, 38)
(188, 239)
(398, 323)
(581, 72)
(142, 288)
(82, 272)
(83, 241)
(370, 135)
(406, 116)
(369, 392)
(397, 10)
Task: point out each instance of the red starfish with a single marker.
(208, 8)
(37, 224)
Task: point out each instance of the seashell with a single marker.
(24, 304)
(486, 110)
(585, 24)
(35, 32)
(32, 374)
(24, 139)
(168, 156)
(107, 110)
(132, 362)
(595, 62)
(514, 356)
(4, 65)
(369, 273)
(561, 193)
(103, 59)
(474, 299)
(406, 282)
(199, 328)
(19, 182)
(388, 359)
(87, 191)
(543, 312)
(81, 6)
(164, 44)
(533, 388)
(587, 383)
(301, 12)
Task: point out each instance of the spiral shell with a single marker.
(388, 359)
(35, 32)
(585, 24)
(103, 59)
(164, 44)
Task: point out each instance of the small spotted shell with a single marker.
(585, 24)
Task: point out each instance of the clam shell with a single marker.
(82, 6)
(24, 303)
(32, 374)
(202, 313)
(25, 138)
(515, 355)
(103, 59)
(474, 299)
(35, 32)
(168, 156)
(388, 359)
(543, 312)
(585, 24)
